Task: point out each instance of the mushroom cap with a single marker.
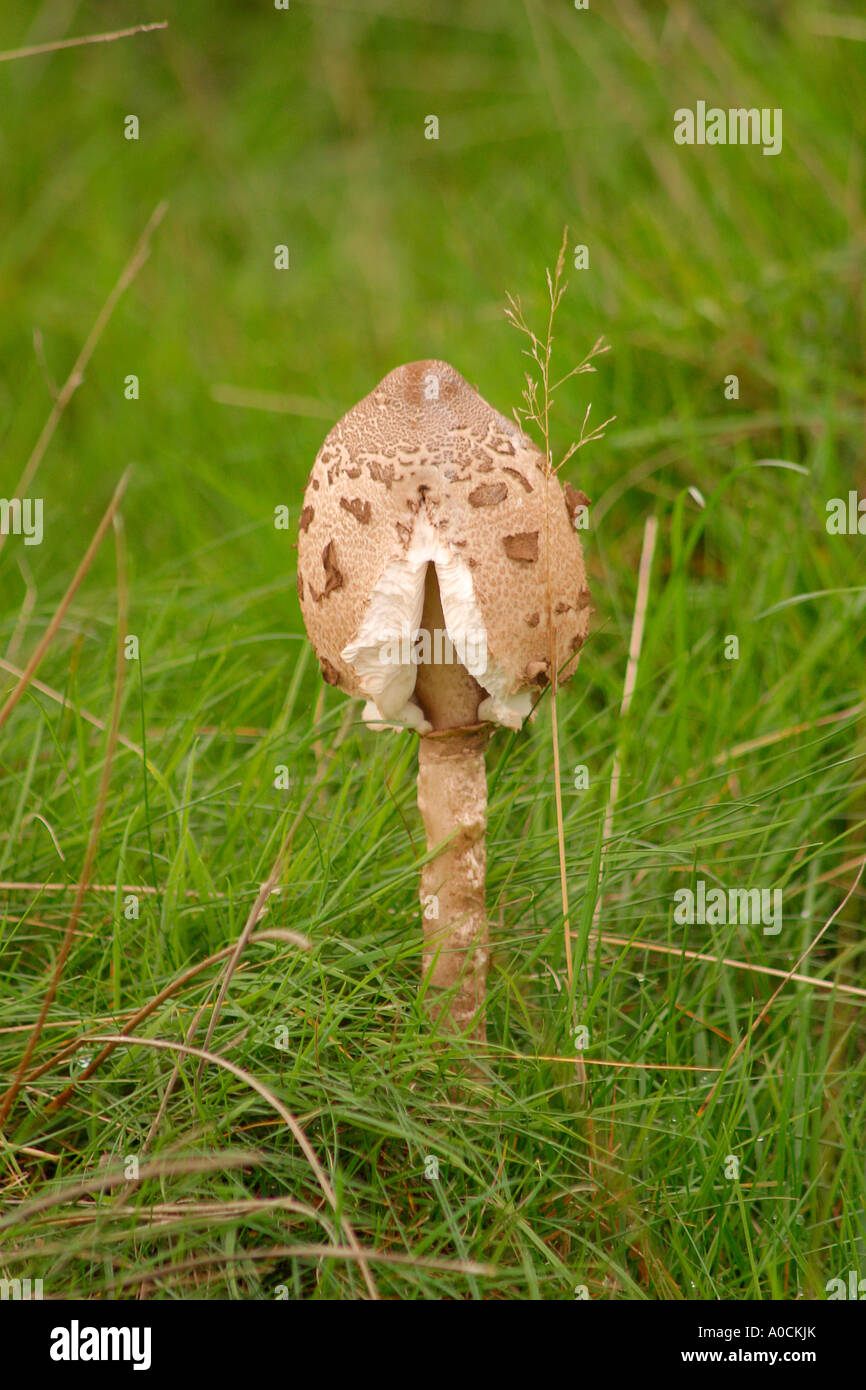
(424, 471)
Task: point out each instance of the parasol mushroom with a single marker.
(439, 574)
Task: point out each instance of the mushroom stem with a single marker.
(452, 799)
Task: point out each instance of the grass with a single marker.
(306, 128)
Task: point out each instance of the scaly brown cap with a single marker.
(423, 471)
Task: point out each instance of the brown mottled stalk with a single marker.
(452, 799)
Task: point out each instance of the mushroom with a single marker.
(439, 574)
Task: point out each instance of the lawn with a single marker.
(284, 1122)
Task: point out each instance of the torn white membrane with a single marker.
(380, 650)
